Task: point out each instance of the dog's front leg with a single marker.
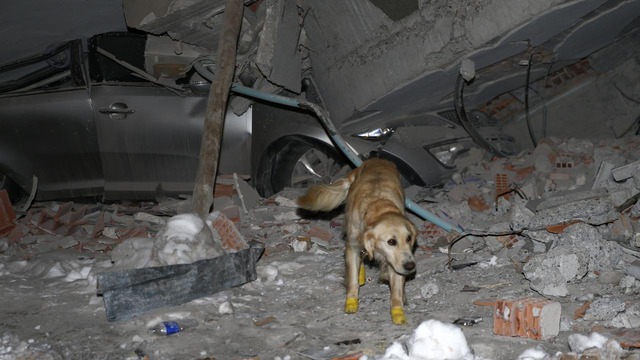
(353, 261)
(396, 285)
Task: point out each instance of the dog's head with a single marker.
(393, 237)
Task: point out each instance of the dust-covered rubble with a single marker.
(558, 224)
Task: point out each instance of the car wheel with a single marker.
(302, 163)
(16, 194)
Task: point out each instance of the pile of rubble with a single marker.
(567, 216)
(548, 245)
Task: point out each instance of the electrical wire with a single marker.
(458, 104)
(526, 103)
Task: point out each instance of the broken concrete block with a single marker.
(629, 318)
(603, 174)
(635, 210)
(620, 196)
(300, 245)
(604, 308)
(520, 217)
(626, 171)
(141, 216)
(592, 207)
(542, 236)
(542, 155)
(247, 196)
(533, 318)
(621, 230)
(277, 56)
(549, 273)
(610, 277)
(285, 201)
(628, 283)
(600, 254)
(633, 269)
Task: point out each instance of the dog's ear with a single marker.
(369, 241)
(412, 231)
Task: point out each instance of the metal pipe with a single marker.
(339, 141)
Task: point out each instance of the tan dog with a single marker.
(376, 226)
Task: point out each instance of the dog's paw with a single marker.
(362, 276)
(397, 316)
(351, 306)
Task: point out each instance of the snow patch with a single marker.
(185, 238)
(533, 354)
(579, 343)
(432, 340)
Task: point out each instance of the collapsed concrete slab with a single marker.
(549, 273)
(592, 207)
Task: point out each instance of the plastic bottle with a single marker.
(171, 327)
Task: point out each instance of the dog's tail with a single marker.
(326, 197)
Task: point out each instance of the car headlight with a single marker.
(447, 152)
(378, 134)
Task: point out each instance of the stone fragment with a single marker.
(629, 318)
(226, 308)
(604, 308)
(429, 289)
(621, 230)
(633, 269)
(142, 216)
(626, 171)
(300, 246)
(549, 273)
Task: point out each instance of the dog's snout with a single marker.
(409, 266)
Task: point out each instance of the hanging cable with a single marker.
(526, 103)
(458, 104)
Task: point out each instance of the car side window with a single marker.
(127, 47)
(58, 67)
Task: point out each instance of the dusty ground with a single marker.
(49, 308)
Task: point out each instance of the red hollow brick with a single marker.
(533, 318)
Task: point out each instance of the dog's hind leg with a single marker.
(353, 261)
(362, 275)
(396, 285)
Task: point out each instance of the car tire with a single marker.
(300, 163)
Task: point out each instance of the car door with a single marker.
(47, 127)
(148, 137)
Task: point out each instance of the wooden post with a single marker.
(216, 108)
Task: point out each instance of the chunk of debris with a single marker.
(549, 273)
(534, 318)
(604, 308)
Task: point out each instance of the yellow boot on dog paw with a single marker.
(362, 277)
(351, 306)
(397, 316)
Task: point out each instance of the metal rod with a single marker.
(339, 141)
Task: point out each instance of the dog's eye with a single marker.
(392, 242)
(409, 238)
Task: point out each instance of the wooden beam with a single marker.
(216, 108)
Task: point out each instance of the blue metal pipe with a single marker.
(339, 141)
